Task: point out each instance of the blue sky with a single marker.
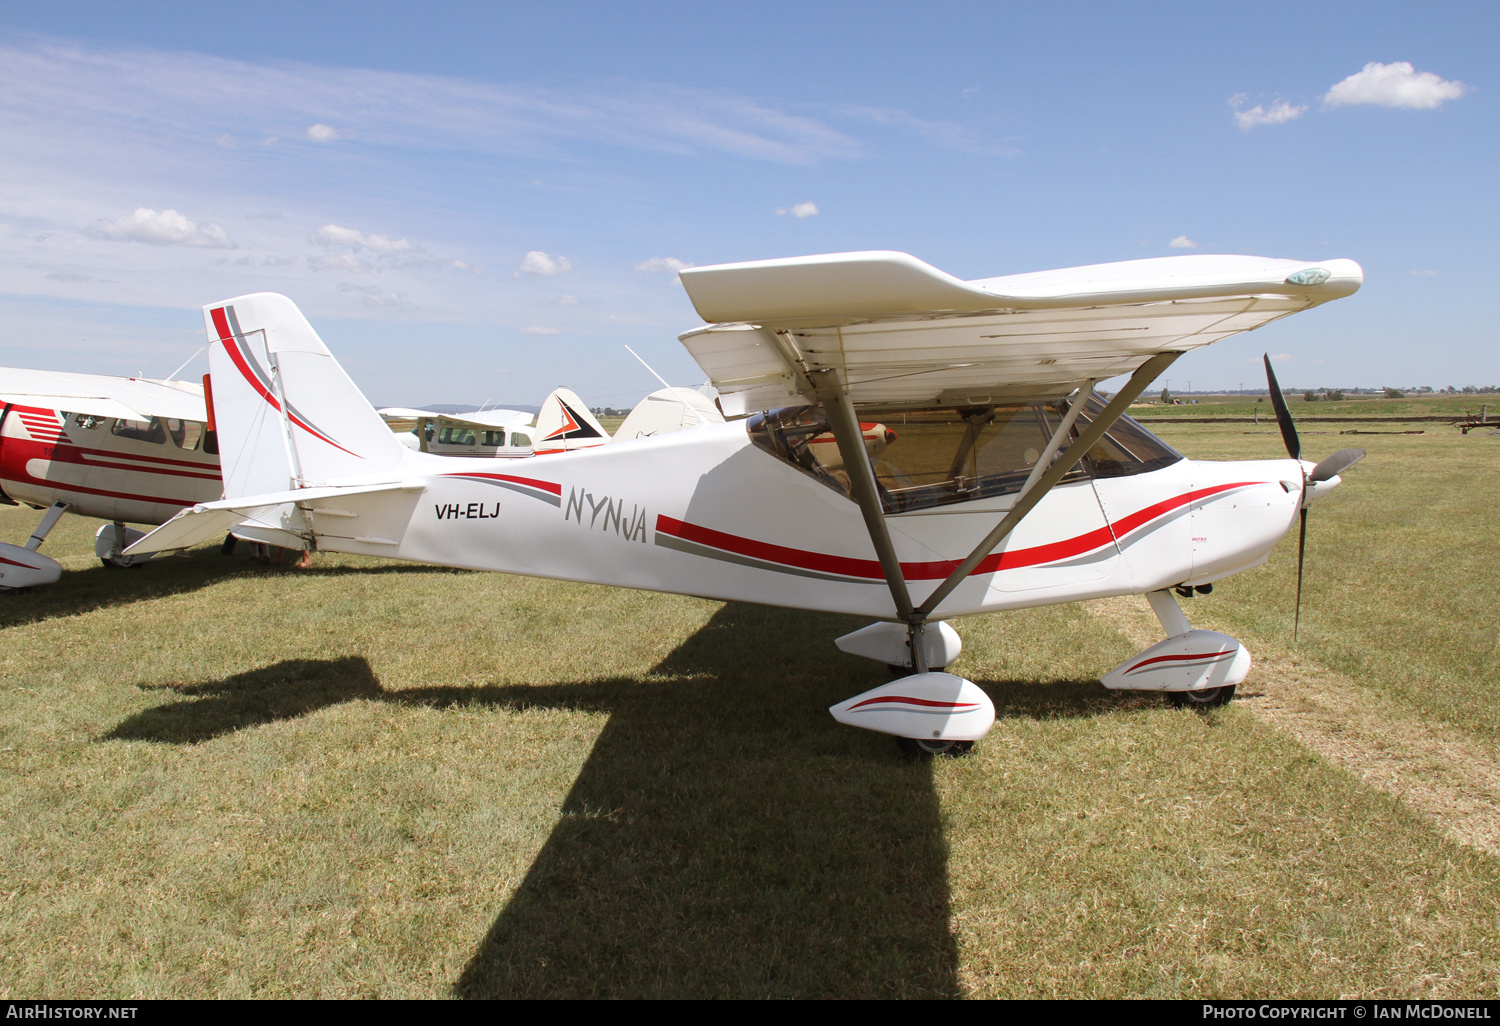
(480, 201)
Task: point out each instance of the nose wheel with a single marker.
(924, 748)
(1204, 698)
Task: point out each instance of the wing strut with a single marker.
(845, 426)
(1038, 487)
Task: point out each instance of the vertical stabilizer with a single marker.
(287, 414)
(564, 423)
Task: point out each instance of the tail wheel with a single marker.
(1204, 698)
(926, 748)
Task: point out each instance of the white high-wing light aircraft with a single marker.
(564, 424)
(128, 450)
(977, 470)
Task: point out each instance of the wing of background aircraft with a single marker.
(402, 418)
(100, 395)
(898, 330)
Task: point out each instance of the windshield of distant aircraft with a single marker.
(927, 458)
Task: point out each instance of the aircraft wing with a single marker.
(901, 331)
(396, 415)
(100, 395)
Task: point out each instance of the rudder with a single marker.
(287, 414)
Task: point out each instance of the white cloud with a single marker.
(671, 264)
(332, 236)
(566, 301)
(1394, 85)
(808, 209)
(1182, 242)
(540, 329)
(324, 133)
(374, 295)
(340, 262)
(164, 228)
(540, 263)
(279, 261)
(1424, 274)
(1281, 111)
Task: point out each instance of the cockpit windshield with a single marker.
(927, 458)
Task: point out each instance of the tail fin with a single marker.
(287, 414)
(565, 423)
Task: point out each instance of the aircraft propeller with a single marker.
(1327, 469)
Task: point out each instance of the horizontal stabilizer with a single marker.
(207, 520)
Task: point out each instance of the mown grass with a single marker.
(1413, 405)
(376, 779)
(1400, 588)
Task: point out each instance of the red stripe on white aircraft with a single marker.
(869, 569)
(231, 346)
(1212, 657)
(923, 702)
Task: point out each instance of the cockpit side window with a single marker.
(928, 458)
(1127, 448)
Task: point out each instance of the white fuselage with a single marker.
(134, 472)
(705, 512)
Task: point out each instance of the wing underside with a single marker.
(100, 395)
(1035, 335)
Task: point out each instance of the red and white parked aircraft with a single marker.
(127, 450)
(1002, 480)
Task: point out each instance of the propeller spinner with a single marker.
(1326, 470)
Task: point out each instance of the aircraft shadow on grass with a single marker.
(101, 587)
(725, 836)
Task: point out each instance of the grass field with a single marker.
(374, 779)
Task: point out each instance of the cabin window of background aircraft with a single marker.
(927, 458)
(186, 433)
(140, 430)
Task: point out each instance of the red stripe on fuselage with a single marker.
(542, 486)
(21, 450)
(847, 566)
(14, 457)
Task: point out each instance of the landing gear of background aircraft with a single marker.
(922, 748)
(1204, 698)
(110, 542)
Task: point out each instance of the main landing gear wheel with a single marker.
(925, 748)
(1205, 698)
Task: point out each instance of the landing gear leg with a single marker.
(110, 545)
(49, 521)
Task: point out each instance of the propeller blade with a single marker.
(1283, 415)
(1333, 466)
(1301, 550)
